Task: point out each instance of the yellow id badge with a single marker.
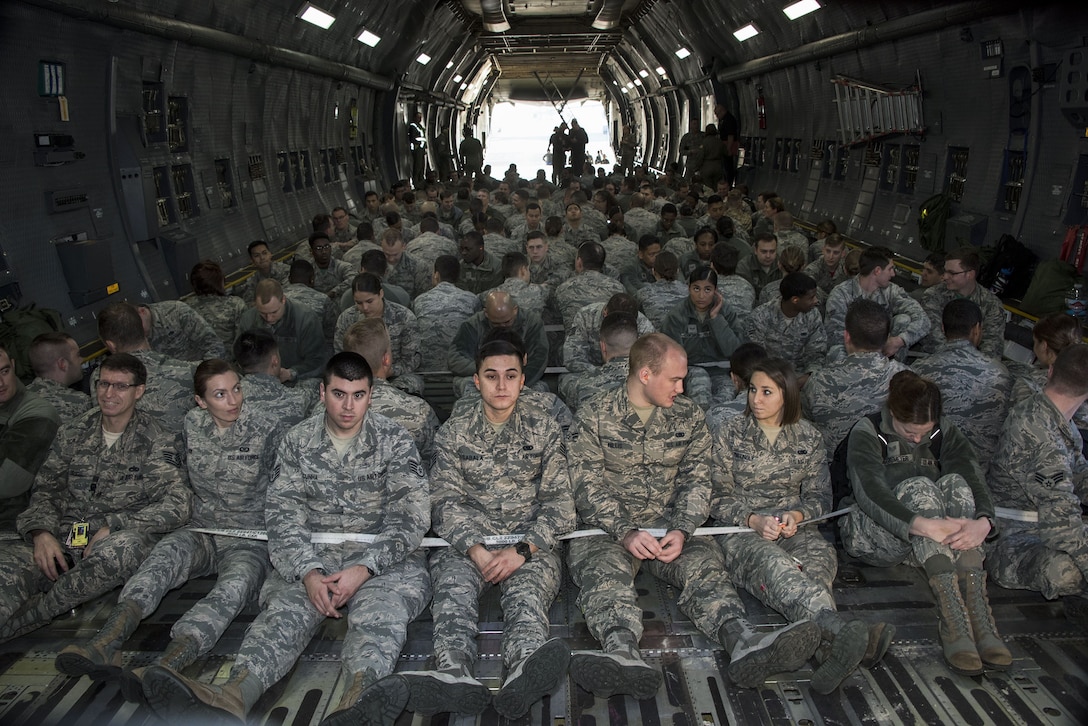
(79, 534)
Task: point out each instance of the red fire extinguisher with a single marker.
(761, 108)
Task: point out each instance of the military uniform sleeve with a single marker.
(50, 487)
(727, 330)
(289, 546)
(576, 345)
(675, 323)
(201, 335)
(835, 317)
(993, 327)
(344, 273)
(933, 305)
(959, 457)
(24, 445)
(903, 304)
(408, 515)
(596, 504)
(456, 514)
(875, 495)
(727, 505)
(815, 479)
(815, 349)
(409, 357)
(167, 485)
(556, 515)
(691, 505)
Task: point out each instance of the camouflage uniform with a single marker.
(462, 351)
(910, 482)
(706, 339)
(793, 575)
(636, 278)
(323, 307)
(482, 277)
(228, 473)
(247, 289)
(691, 261)
(621, 253)
(298, 335)
(404, 343)
(440, 312)
(219, 311)
(69, 402)
(354, 256)
(826, 280)
(909, 321)
(378, 487)
(993, 318)
(739, 296)
(799, 339)
(792, 238)
(179, 332)
(640, 221)
(553, 271)
(425, 249)
(840, 393)
(975, 391)
(587, 287)
(1027, 380)
(580, 387)
(578, 237)
(721, 413)
(680, 246)
(486, 483)
(750, 269)
(409, 274)
(411, 412)
(557, 410)
(135, 487)
(498, 245)
(1039, 468)
(528, 296)
(28, 424)
(168, 393)
(626, 476)
(286, 403)
(335, 278)
(582, 344)
(659, 298)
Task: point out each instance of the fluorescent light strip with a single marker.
(683, 53)
(449, 65)
(800, 8)
(316, 16)
(743, 34)
(644, 73)
(368, 38)
(457, 78)
(660, 71)
(638, 82)
(623, 90)
(423, 59)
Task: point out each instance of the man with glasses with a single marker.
(110, 487)
(331, 276)
(959, 282)
(343, 236)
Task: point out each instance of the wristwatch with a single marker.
(522, 548)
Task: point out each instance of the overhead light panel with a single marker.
(316, 16)
(638, 82)
(683, 53)
(457, 78)
(423, 59)
(368, 38)
(464, 86)
(449, 65)
(630, 84)
(623, 90)
(802, 7)
(743, 34)
(644, 73)
(660, 71)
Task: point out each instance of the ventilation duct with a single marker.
(494, 18)
(609, 15)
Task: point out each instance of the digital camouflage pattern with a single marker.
(658, 298)
(800, 340)
(582, 344)
(221, 312)
(179, 332)
(440, 312)
(993, 318)
(909, 321)
(69, 403)
(587, 287)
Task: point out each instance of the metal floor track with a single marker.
(1046, 686)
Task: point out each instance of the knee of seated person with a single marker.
(1061, 577)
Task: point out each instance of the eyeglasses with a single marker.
(103, 386)
(953, 273)
(322, 248)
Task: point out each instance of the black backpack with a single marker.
(932, 217)
(840, 480)
(1009, 270)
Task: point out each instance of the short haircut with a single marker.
(834, 239)
(1069, 372)
(374, 262)
(649, 351)
(1058, 331)
(724, 258)
(320, 222)
(553, 226)
(392, 219)
(874, 257)
(474, 238)
(705, 230)
(592, 255)
(703, 272)
(512, 262)
(532, 205)
(725, 226)
(796, 284)
(535, 234)
(714, 199)
(366, 282)
(126, 363)
(827, 227)
(45, 349)
(868, 324)
(495, 346)
(913, 399)
(792, 259)
(647, 241)
(448, 268)
(428, 224)
(254, 245)
(301, 272)
(783, 376)
(206, 370)
(783, 220)
(967, 256)
(621, 302)
(369, 338)
(365, 230)
(936, 259)
(316, 237)
(959, 317)
(349, 366)
(668, 208)
(764, 237)
(267, 290)
(391, 234)
(120, 324)
(494, 225)
(744, 359)
(667, 265)
(253, 349)
(619, 330)
(851, 261)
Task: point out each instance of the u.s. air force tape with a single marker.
(490, 541)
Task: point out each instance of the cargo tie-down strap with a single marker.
(496, 540)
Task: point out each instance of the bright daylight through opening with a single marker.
(520, 131)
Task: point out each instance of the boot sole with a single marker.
(540, 674)
(429, 695)
(76, 665)
(880, 646)
(173, 701)
(847, 650)
(604, 676)
(378, 705)
(794, 645)
(132, 688)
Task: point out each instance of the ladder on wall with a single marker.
(868, 111)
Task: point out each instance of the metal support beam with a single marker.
(119, 16)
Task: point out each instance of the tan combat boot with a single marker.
(100, 657)
(954, 627)
(177, 699)
(991, 649)
(179, 654)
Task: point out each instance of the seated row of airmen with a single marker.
(641, 462)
